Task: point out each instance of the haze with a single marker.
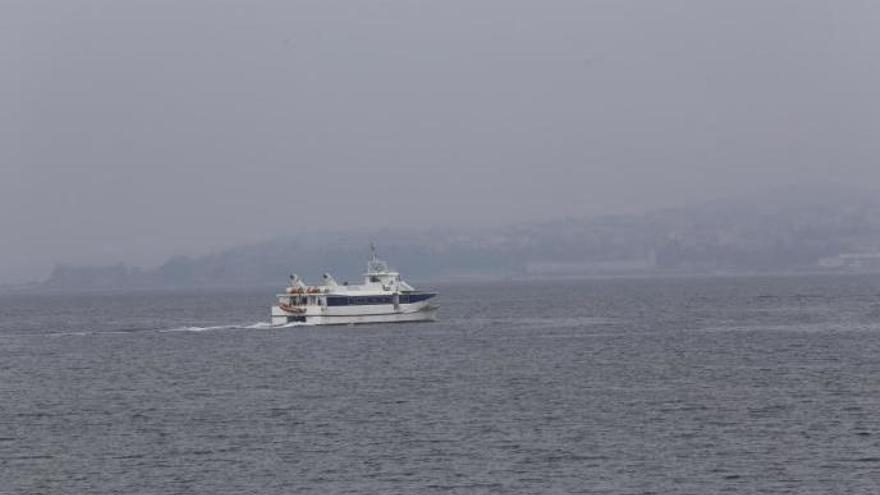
(132, 131)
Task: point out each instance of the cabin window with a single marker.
(374, 279)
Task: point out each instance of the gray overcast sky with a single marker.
(131, 131)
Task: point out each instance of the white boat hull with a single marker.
(355, 315)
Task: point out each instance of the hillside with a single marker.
(789, 230)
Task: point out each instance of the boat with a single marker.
(384, 297)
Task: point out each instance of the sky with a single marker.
(134, 131)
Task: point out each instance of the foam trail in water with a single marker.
(261, 325)
(198, 329)
(66, 334)
(286, 325)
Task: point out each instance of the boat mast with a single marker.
(376, 266)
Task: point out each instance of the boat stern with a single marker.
(281, 317)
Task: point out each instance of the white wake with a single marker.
(260, 325)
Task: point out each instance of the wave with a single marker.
(197, 329)
(260, 325)
(821, 327)
(67, 334)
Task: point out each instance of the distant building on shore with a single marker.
(852, 261)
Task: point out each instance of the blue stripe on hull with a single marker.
(373, 300)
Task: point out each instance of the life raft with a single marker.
(287, 308)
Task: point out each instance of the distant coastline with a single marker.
(459, 280)
(788, 232)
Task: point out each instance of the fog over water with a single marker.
(133, 131)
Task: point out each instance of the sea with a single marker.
(698, 385)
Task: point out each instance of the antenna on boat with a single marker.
(375, 265)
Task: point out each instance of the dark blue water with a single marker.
(733, 385)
